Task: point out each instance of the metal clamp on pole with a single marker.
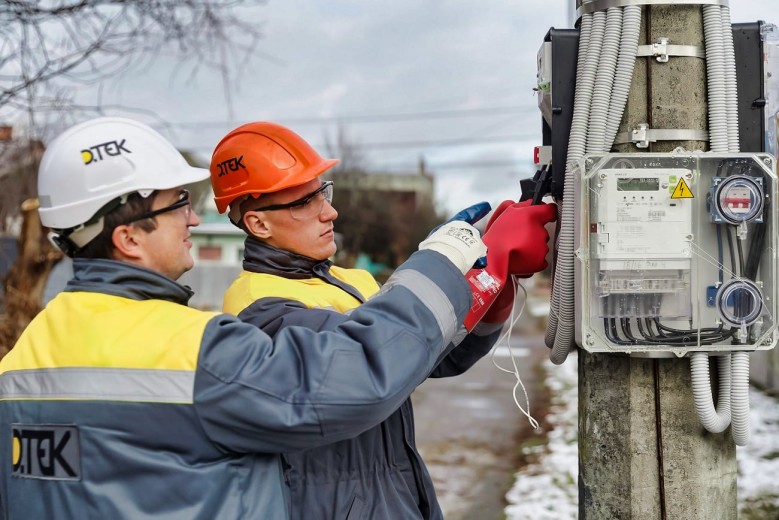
(661, 50)
(642, 135)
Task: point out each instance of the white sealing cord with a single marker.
(515, 369)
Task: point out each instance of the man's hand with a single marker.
(517, 245)
(516, 236)
(471, 215)
(458, 241)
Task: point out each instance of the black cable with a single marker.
(641, 329)
(755, 251)
(706, 336)
(610, 327)
(733, 265)
(625, 324)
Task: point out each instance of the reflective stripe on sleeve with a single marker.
(431, 296)
(100, 384)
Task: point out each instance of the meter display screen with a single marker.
(638, 184)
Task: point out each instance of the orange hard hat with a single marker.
(259, 158)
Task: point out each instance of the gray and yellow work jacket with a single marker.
(119, 401)
(379, 474)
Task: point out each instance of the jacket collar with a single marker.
(125, 280)
(259, 257)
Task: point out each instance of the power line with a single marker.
(419, 144)
(456, 165)
(372, 118)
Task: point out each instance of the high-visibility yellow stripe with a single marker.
(82, 329)
(312, 292)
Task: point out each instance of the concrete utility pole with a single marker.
(642, 451)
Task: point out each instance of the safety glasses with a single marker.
(307, 206)
(183, 202)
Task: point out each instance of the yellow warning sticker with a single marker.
(682, 191)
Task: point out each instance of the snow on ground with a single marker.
(758, 461)
(547, 490)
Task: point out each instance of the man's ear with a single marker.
(127, 243)
(257, 224)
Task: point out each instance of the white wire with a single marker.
(515, 371)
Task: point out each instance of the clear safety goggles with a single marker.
(308, 206)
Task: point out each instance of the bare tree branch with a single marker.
(58, 45)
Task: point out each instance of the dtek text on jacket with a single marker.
(120, 402)
(378, 474)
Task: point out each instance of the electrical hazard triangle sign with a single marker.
(682, 191)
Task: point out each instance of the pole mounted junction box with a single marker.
(556, 83)
(676, 253)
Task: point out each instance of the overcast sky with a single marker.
(448, 80)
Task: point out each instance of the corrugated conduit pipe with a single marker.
(713, 421)
(576, 144)
(631, 25)
(721, 77)
(715, 77)
(718, 420)
(731, 86)
(739, 398)
(560, 338)
(739, 393)
(593, 129)
(604, 81)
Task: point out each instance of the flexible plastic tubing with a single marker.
(731, 87)
(723, 136)
(715, 76)
(604, 81)
(563, 336)
(631, 24)
(718, 142)
(739, 396)
(740, 363)
(714, 420)
(601, 60)
(576, 144)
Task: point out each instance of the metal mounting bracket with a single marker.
(661, 50)
(642, 135)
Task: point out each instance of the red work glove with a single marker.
(517, 245)
(500, 310)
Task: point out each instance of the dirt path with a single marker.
(471, 433)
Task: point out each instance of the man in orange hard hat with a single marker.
(269, 179)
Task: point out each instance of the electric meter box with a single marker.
(676, 253)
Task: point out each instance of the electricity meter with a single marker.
(676, 253)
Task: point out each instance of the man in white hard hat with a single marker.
(119, 401)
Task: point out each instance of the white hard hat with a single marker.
(97, 161)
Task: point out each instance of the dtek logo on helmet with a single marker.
(45, 451)
(230, 165)
(103, 150)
